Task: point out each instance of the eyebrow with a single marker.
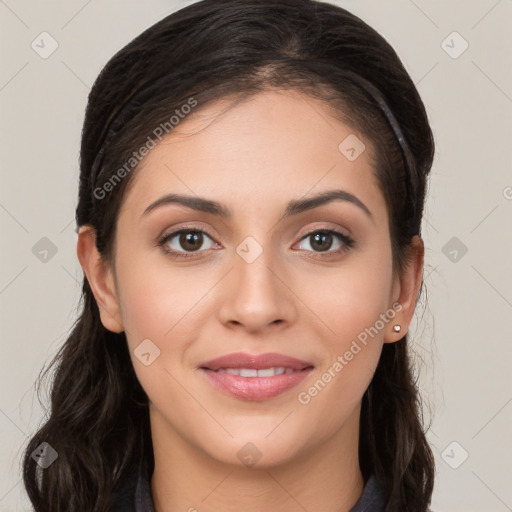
(294, 207)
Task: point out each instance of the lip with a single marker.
(255, 388)
(256, 362)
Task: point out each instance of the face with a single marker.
(311, 284)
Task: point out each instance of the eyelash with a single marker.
(348, 242)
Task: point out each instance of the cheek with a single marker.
(167, 308)
(157, 301)
(350, 299)
(355, 307)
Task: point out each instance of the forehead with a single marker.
(274, 145)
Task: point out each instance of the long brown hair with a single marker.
(98, 420)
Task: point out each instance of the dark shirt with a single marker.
(135, 496)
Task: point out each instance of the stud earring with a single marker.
(397, 328)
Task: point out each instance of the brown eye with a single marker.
(184, 241)
(191, 240)
(323, 240)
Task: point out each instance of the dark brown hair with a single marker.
(98, 420)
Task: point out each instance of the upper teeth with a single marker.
(251, 372)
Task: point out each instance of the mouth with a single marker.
(253, 372)
(255, 377)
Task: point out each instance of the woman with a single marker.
(252, 185)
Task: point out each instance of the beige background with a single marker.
(463, 336)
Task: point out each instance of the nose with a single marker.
(257, 296)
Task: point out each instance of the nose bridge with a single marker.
(256, 297)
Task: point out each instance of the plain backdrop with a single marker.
(458, 52)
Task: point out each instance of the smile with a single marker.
(255, 377)
(252, 372)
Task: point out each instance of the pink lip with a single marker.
(255, 388)
(257, 362)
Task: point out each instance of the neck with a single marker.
(327, 477)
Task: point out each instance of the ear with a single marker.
(405, 292)
(101, 280)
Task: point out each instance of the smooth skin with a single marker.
(299, 298)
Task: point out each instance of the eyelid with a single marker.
(338, 229)
(186, 227)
